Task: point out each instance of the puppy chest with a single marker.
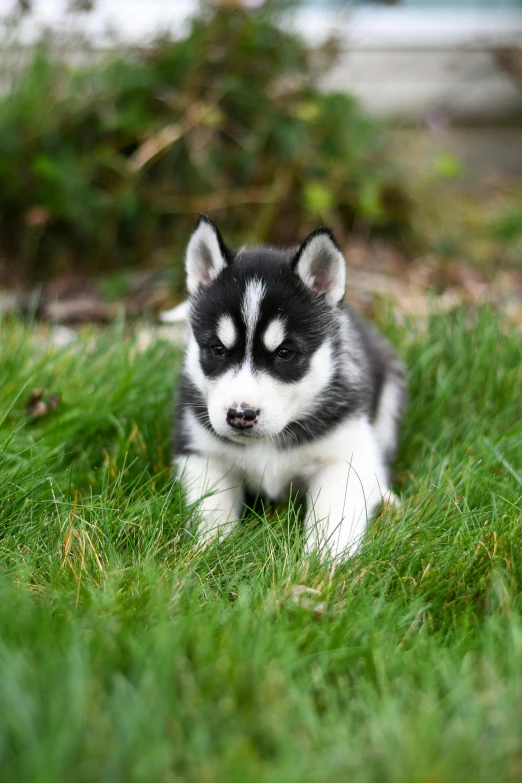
(271, 475)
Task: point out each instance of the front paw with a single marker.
(332, 549)
(209, 529)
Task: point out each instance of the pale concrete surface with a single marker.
(464, 85)
(484, 151)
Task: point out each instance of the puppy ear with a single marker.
(321, 266)
(207, 255)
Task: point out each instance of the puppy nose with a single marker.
(242, 419)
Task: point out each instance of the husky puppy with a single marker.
(283, 385)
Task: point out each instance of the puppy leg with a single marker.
(342, 497)
(216, 490)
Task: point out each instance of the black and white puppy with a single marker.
(283, 385)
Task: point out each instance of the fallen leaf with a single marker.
(305, 597)
(38, 407)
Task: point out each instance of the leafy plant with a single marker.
(106, 166)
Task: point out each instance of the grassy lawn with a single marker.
(127, 656)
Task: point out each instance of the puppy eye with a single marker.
(284, 353)
(218, 350)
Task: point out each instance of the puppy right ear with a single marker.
(207, 255)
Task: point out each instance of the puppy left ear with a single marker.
(207, 255)
(321, 266)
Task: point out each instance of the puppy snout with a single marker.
(244, 418)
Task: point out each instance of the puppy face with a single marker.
(263, 323)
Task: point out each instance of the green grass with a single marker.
(127, 656)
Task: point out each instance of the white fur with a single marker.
(344, 495)
(251, 307)
(204, 260)
(178, 314)
(343, 472)
(322, 268)
(274, 334)
(226, 331)
(385, 424)
(216, 489)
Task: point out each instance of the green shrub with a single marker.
(106, 166)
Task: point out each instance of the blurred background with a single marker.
(397, 123)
